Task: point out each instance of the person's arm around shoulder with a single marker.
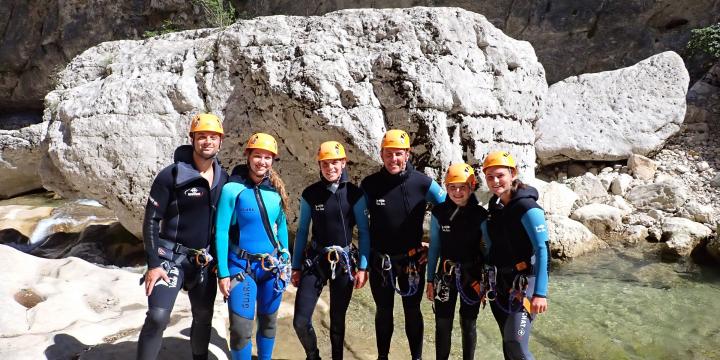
(534, 223)
(435, 194)
(361, 220)
(224, 219)
(301, 237)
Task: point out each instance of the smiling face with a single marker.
(459, 193)
(206, 144)
(332, 169)
(394, 159)
(499, 179)
(260, 162)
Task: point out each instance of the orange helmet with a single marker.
(461, 173)
(499, 158)
(396, 139)
(331, 150)
(206, 122)
(262, 141)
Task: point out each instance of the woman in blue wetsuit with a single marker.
(334, 206)
(516, 238)
(251, 239)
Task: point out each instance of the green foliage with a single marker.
(705, 40)
(220, 13)
(167, 27)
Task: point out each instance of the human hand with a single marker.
(538, 305)
(152, 276)
(430, 291)
(361, 278)
(224, 285)
(295, 277)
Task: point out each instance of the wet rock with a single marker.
(614, 114)
(23, 218)
(569, 238)
(642, 167)
(681, 236)
(599, 218)
(634, 234)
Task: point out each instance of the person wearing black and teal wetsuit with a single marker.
(516, 244)
(177, 231)
(456, 245)
(251, 241)
(397, 197)
(334, 206)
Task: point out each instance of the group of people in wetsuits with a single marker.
(203, 226)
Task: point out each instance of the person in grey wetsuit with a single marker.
(177, 231)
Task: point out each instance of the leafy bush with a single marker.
(705, 40)
(220, 12)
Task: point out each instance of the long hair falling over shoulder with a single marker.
(516, 184)
(279, 185)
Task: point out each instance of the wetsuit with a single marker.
(455, 240)
(242, 237)
(180, 211)
(514, 234)
(396, 204)
(333, 208)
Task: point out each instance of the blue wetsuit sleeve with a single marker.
(434, 252)
(223, 221)
(301, 236)
(435, 194)
(360, 212)
(282, 232)
(534, 223)
(486, 240)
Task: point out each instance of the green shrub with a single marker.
(220, 13)
(705, 40)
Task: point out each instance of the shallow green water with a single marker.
(614, 304)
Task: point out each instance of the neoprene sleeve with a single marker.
(534, 223)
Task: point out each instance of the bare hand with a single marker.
(423, 255)
(224, 285)
(295, 277)
(360, 278)
(430, 291)
(152, 276)
(538, 305)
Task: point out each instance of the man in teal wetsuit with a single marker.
(251, 240)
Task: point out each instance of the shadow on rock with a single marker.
(67, 347)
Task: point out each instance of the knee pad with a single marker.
(157, 318)
(240, 331)
(267, 324)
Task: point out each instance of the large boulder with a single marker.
(681, 236)
(614, 114)
(557, 199)
(570, 239)
(20, 156)
(457, 84)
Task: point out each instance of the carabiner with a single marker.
(386, 263)
(272, 267)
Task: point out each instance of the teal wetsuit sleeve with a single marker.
(301, 236)
(282, 232)
(435, 194)
(534, 223)
(223, 221)
(434, 252)
(486, 240)
(360, 212)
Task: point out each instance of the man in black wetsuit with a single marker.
(397, 196)
(178, 230)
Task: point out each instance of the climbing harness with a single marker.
(388, 263)
(517, 299)
(452, 274)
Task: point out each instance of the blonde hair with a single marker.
(279, 186)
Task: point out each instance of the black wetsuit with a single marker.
(514, 234)
(455, 235)
(180, 210)
(397, 204)
(333, 209)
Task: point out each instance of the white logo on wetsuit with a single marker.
(523, 324)
(380, 202)
(446, 228)
(540, 228)
(193, 192)
(320, 207)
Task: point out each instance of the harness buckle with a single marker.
(267, 258)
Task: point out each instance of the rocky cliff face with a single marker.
(570, 37)
(38, 38)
